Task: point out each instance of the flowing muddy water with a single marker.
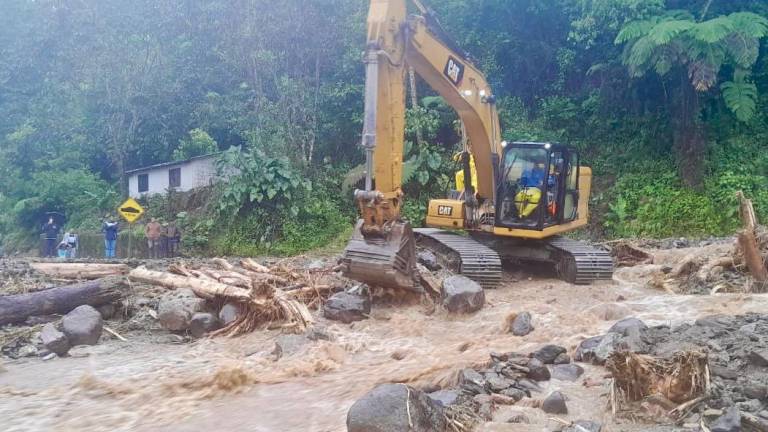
(235, 384)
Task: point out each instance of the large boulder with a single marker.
(609, 344)
(555, 404)
(82, 326)
(462, 295)
(54, 340)
(395, 408)
(229, 313)
(586, 350)
(548, 353)
(347, 308)
(538, 371)
(567, 372)
(522, 324)
(175, 309)
(622, 327)
(445, 398)
(472, 381)
(203, 323)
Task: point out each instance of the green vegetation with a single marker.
(666, 99)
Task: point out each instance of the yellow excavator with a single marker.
(514, 199)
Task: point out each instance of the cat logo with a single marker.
(454, 70)
(444, 210)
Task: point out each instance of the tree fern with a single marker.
(635, 30)
(664, 32)
(750, 24)
(713, 30)
(740, 98)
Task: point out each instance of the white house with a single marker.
(180, 176)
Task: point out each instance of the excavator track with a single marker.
(464, 255)
(580, 263)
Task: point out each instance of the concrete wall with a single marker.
(195, 173)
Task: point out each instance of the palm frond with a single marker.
(640, 54)
(750, 24)
(713, 30)
(635, 30)
(663, 32)
(353, 177)
(740, 98)
(743, 49)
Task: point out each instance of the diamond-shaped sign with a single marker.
(130, 210)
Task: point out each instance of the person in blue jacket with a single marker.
(110, 229)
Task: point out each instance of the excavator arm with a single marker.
(382, 249)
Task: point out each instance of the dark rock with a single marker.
(538, 370)
(497, 383)
(633, 341)
(317, 333)
(518, 418)
(562, 359)
(515, 393)
(202, 323)
(586, 350)
(715, 321)
(462, 295)
(82, 326)
(522, 325)
(728, 422)
(107, 311)
(471, 381)
(528, 384)
(624, 325)
(395, 408)
(582, 425)
(555, 404)
(175, 309)
(347, 308)
(229, 313)
(288, 345)
(54, 340)
(609, 344)
(549, 353)
(445, 398)
(759, 358)
(428, 260)
(567, 372)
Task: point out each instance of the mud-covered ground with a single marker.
(157, 381)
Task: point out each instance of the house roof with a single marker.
(172, 163)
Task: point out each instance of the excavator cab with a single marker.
(538, 186)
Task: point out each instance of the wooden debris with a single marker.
(59, 300)
(267, 296)
(79, 271)
(115, 334)
(680, 379)
(748, 241)
(628, 255)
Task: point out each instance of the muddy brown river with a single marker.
(235, 384)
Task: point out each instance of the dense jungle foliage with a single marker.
(666, 99)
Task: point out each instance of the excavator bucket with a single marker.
(387, 260)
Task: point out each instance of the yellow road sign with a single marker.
(130, 210)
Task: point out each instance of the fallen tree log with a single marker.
(85, 271)
(59, 300)
(748, 240)
(204, 288)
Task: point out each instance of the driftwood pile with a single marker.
(743, 269)
(265, 295)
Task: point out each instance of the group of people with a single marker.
(67, 247)
(162, 239)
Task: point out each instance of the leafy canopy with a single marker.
(676, 39)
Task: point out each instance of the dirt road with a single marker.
(235, 384)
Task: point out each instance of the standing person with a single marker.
(51, 231)
(152, 231)
(110, 230)
(164, 240)
(174, 238)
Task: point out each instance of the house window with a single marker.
(143, 183)
(174, 177)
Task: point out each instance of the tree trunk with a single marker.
(207, 289)
(80, 271)
(689, 139)
(60, 300)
